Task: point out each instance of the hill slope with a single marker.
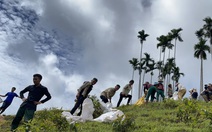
(167, 116)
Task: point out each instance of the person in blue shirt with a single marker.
(7, 102)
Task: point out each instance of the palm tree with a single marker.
(170, 64)
(159, 66)
(164, 42)
(142, 36)
(147, 60)
(134, 62)
(176, 75)
(200, 52)
(175, 34)
(208, 31)
(151, 68)
(200, 33)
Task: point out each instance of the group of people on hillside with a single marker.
(37, 91)
(158, 89)
(106, 95)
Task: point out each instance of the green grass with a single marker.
(167, 116)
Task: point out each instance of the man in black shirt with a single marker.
(29, 105)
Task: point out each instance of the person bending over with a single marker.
(125, 92)
(109, 93)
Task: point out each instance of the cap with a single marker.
(156, 83)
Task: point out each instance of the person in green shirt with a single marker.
(151, 92)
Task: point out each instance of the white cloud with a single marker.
(69, 43)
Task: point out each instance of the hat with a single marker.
(156, 83)
(146, 83)
(160, 80)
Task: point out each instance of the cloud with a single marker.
(69, 43)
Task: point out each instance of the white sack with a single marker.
(87, 112)
(175, 96)
(109, 116)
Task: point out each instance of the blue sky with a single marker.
(70, 41)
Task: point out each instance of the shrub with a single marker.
(47, 121)
(98, 111)
(170, 103)
(189, 112)
(120, 125)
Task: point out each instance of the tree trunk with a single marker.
(143, 82)
(160, 60)
(139, 83)
(201, 76)
(175, 48)
(151, 79)
(132, 85)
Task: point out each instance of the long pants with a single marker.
(151, 92)
(104, 99)
(22, 111)
(121, 97)
(4, 106)
(160, 93)
(79, 103)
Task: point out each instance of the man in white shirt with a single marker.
(125, 93)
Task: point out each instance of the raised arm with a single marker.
(4, 95)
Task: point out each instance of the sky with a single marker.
(69, 42)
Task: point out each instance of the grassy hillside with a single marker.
(167, 116)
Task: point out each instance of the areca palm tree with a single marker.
(175, 34)
(146, 60)
(170, 64)
(142, 36)
(176, 75)
(200, 50)
(151, 68)
(164, 42)
(159, 66)
(208, 31)
(134, 62)
(200, 33)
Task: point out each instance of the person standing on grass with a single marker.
(160, 90)
(8, 100)
(109, 93)
(146, 85)
(151, 92)
(181, 90)
(29, 105)
(125, 93)
(193, 93)
(82, 94)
